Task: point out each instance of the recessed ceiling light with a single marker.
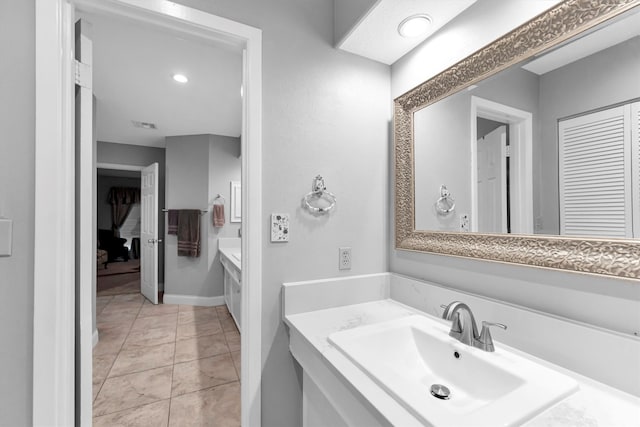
(414, 26)
(180, 78)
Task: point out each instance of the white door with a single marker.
(149, 233)
(635, 167)
(492, 182)
(595, 175)
(85, 223)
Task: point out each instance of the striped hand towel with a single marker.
(189, 232)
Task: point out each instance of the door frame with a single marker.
(119, 167)
(54, 242)
(521, 140)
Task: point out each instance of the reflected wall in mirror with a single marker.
(545, 147)
(532, 136)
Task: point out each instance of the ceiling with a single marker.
(133, 65)
(456, 23)
(376, 36)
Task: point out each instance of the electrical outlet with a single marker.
(344, 261)
(464, 222)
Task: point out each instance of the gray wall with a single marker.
(17, 119)
(559, 93)
(443, 135)
(224, 167)
(102, 197)
(138, 155)
(198, 168)
(600, 80)
(324, 112)
(486, 126)
(442, 157)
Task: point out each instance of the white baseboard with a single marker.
(193, 300)
(95, 337)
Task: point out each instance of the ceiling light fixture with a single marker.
(144, 125)
(180, 78)
(414, 26)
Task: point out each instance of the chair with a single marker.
(113, 245)
(102, 257)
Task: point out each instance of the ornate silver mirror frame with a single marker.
(619, 258)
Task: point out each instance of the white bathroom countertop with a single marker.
(233, 255)
(594, 404)
(231, 249)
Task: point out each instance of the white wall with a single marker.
(17, 189)
(606, 302)
(198, 168)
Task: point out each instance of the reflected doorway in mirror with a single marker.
(493, 178)
(501, 199)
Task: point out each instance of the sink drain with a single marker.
(440, 391)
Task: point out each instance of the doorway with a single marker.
(118, 264)
(493, 177)
(190, 334)
(54, 290)
(501, 168)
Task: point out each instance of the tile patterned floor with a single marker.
(165, 365)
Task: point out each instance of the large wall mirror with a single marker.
(528, 151)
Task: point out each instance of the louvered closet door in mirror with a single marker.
(596, 167)
(635, 166)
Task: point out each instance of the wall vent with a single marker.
(144, 125)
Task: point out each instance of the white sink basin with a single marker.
(409, 355)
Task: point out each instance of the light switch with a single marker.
(279, 227)
(6, 226)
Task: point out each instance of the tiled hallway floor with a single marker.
(159, 365)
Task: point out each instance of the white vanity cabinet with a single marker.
(230, 260)
(232, 287)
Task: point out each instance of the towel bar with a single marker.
(319, 190)
(202, 211)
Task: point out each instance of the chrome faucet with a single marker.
(463, 326)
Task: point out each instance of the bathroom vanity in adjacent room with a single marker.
(230, 258)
